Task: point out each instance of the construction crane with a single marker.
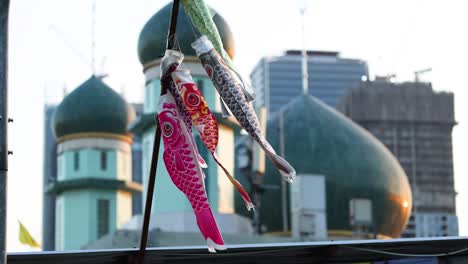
(418, 73)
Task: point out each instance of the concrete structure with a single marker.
(415, 123)
(183, 221)
(308, 208)
(176, 229)
(277, 80)
(49, 177)
(367, 193)
(94, 183)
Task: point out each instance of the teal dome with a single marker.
(152, 40)
(93, 107)
(319, 140)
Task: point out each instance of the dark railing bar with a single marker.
(157, 142)
(4, 9)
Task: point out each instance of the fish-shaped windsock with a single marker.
(231, 92)
(205, 122)
(169, 63)
(180, 158)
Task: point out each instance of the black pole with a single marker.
(4, 7)
(157, 143)
(172, 27)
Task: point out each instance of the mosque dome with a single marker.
(93, 107)
(152, 40)
(319, 140)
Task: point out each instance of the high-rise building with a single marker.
(415, 123)
(49, 177)
(277, 80)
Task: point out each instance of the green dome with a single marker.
(152, 40)
(319, 140)
(93, 107)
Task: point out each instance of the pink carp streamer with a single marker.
(169, 63)
(205, 122)
(181, 160)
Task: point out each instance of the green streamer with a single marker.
(202, 19)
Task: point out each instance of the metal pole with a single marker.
(93, 37)
(284, 203)
(4, 7)
(157, 143)
(255, 189)
(415, 188)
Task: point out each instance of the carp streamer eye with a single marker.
(193, 99)
(167, 129)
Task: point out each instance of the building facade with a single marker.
(415, 123)
(277, 80)
(49, 177)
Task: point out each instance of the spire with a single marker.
(93, 37)
(305, 77)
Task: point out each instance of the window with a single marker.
(200, 86)
(102, 217)
(124, 163)
(59, 225)
(76, 161)
(103, 160)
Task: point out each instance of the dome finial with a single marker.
(93, 37)
(101, 76)
(93, 107)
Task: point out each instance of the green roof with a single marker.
(152, 40)
(92, 107)
(319, 140)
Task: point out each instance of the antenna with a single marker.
(59, 33)
(64, 91)
(90, 62)
(305, 75)
(93, 37)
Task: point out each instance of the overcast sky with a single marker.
(50, 51)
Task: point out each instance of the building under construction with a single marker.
(415, 123)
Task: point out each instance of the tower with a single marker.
(94, 183)
(278, 79)
(418, 131)
(151, 48)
